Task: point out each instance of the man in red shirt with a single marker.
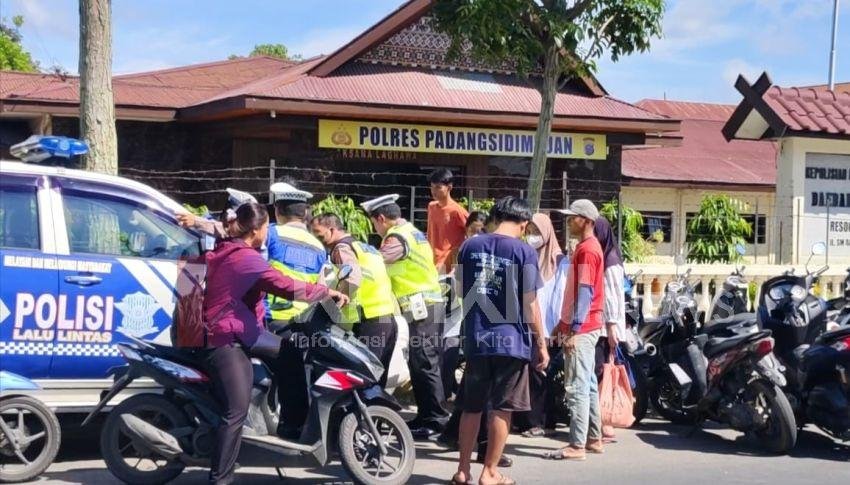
(446, 221)
(579, 329)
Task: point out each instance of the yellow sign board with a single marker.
(458, 140)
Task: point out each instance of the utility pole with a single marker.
(832, 51)
(97, 105)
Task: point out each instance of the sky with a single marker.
(706, 43)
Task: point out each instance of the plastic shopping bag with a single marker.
(616, 401)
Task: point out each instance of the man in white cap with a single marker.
(295, 252)
(579, 329)
(415, 283)
(235, 198)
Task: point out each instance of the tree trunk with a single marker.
(97, 106)
(544, 126)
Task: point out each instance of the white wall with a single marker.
(680, 201)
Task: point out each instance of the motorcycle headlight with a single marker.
(798, 292)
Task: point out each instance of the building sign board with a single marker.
(457, 140)
(827, 208)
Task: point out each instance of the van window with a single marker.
(100, 225)
(19, 218)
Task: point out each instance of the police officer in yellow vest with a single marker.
(373, 306)
(296, 253)
(414, 279)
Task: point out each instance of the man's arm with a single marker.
(342, 255)
(393, 249)
(535, 323)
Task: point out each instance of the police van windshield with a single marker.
(110, 226)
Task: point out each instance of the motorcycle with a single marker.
(348, 409)
(29, 431)
(717, 373)
(733, 297)
(815, 359)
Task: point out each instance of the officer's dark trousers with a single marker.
(292, 384)
(379, 334)
(232, 378)
(424, 362)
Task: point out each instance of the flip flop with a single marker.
(533, 433)
(558, 455)
(505, 480)
(455, 481)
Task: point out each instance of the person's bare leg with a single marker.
(497, 436)
(467, 434)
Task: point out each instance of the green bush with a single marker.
(635, 248)
(716, 229)
(356, 221)
(483, 205)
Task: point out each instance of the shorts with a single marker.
(498, 380)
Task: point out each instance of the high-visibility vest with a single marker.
(374, 298)
(301, 257)
(415, 272)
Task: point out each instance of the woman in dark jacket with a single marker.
(237, 280)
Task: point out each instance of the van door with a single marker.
(119, 278)
(29, 288)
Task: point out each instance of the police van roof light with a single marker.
(40, 147)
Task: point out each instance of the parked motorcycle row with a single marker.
(766, 374)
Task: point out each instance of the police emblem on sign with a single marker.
(138, 310)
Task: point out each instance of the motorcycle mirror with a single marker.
(819, 248)
(344, 272)
(679, 260)
(740, 249)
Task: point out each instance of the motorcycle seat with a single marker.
(830, 337)
(718, 345)
(740, 324)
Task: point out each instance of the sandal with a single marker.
(504, 480)
(535, 432)
(559, 454)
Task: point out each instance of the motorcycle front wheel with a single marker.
(34, 440)
(130, 462)
(779, 433)
(668, 403)
(361, 456)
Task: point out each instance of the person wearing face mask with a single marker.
(553, 266)
(372, 307)
(237, 281)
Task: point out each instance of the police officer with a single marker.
(296, 253)
(372, 307)
(414, 279)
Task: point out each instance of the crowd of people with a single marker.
(523, 299)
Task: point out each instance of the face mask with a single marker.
(535, 241)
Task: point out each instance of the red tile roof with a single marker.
(171, 88)
(704, 157)
(811, 109)
(377, 84)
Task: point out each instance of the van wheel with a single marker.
(130, 462)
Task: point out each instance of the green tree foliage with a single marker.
(272, 50)
(560, 38)
(634, 247)
(13, 57)
(356, 221)
(716, 230)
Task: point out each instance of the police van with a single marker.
(87, 261)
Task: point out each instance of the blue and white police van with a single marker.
(86, 261)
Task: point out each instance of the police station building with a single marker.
(375, 116)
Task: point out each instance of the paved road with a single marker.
(656, 453)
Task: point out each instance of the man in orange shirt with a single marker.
(446, 221)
